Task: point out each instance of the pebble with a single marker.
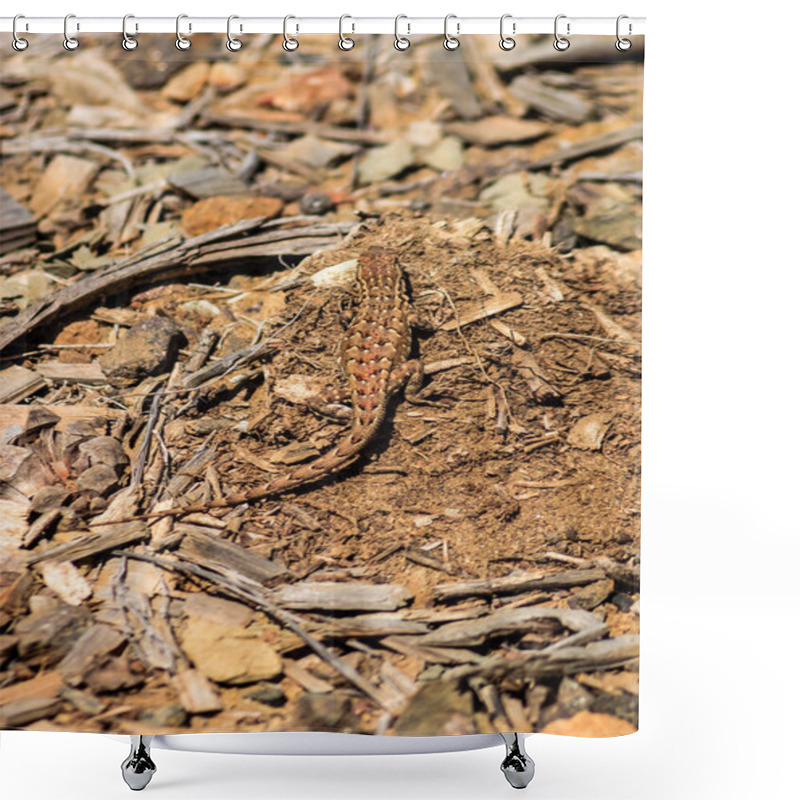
(271, 695)
(171, 716)
(150, 347)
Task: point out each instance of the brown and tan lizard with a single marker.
(375, 356)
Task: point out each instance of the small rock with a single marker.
(588, 432)
(435, 706)
(622, 601)
(321, 711)
(589, 597)
(226, 76)
(382, 163)
(271, 695)
(229, 654)
(150, 347)
(624, 706)
(214, 212)
(171, 716)
(572, 697)
(316, 203)
(100, 479)
(446, 156)
(186, 85)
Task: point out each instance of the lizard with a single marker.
(374, 354)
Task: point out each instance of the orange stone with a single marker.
(214, 212)
(587, 723)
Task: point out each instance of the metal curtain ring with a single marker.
(451, 42)
(289, 44)
(128, 42)
(234, 45)
(507, 42)
(18, 43)
(70, 42)
(401, 42)
(561, 44)
(345, 42)
(623, 44)
(181, 42)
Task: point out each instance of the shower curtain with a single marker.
(320, 385)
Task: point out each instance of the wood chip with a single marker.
(89, 374)
(329, 596)
(498, 130)
(66, 581)
(197, 694)
(23, 712)
(17, 383)
(517, 584)
(94, 644)
(480, 309)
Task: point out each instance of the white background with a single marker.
(719, 705)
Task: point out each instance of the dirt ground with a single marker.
(509, 499)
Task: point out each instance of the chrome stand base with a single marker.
(138, 768)
(517, 766)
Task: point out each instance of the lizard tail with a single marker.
(339, 457)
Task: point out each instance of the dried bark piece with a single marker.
(45, 638)
(17, 383)
(489, 131)
(23, 712)
(330, 596)
(556, 104)
(196, 693)
(186, 85)
(17, 224)
(480, 309)
(11, 414)
(228, 559)
(112, 676)
(99, 480)
(90, 374)
(66, 581)
(91, 648)
(65, 177)
(517, 584)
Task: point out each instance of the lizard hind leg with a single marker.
(410, 375)
(331, 404)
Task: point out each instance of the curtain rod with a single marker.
(406, 25)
